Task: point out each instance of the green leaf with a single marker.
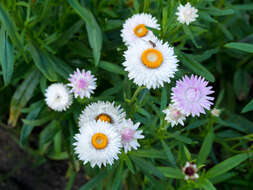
(6, 56)
(113, 68)
(245, 47)
(93, 29)
(95, 181)
(241, 83)
(170, 172)
(189, 62)
(169, 153)
(39, 122)
(219, 12)
(60, 66)
(10, 27)
(205, 148)
(244, 6)
(27, 129)
(248, 107)
(226, 165)
(48, 133)
(22, 95)
(190, 34)
(187, 153)
(164, 97)
(147, 167)
(118, 177)
(42, 62)
(129, 163)
(206, 184)
(57, 142)
(151, 153)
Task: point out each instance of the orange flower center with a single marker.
(152, 58)
(140, 30)
(99, 140)
(104, 117)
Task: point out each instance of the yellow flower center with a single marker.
(104, 117)
(140, 30)
(152, 58)
(99, 140)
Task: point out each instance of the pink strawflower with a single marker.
(191, 95)
(82, 83)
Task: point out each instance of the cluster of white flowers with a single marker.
(103, 131)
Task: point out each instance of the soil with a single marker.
(19, 172)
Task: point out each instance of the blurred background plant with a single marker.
(43, 41)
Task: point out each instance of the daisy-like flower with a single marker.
(174, 115)
(215, 112)
(58, 97)
(186, 14)
(190, 171)
(191, 95)
(98, 143)
(130, 135)
(150, 63)
(82, 83)
(103, 111)
(135, 28)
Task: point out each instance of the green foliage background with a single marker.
(43, 41)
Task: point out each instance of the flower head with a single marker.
(58, 97)
(191, 95)
(82, 83)
(135, 28)
(186, 14)
(190, 171)
(150, 64)
(98, 143)
(174, 115)
(215, 112)
(103, 111)
(130, 134)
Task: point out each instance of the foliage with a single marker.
(43, 41)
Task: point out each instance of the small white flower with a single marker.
(135, 28)
(130, 134)
(103, 111)
(174, 115)
(58, 97)
(215, 112)
(82, 83)
(98, 143)
(150, 63)
(190, 171)
(186, 14)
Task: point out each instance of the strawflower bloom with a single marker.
(130, 135)
(186, 14)
(174, 115)
(58, 97)
(150, 63)
(215, 112)
(190, 171)
(135, 28)
(82, 83)
(98, 143)
(103, 111)
(191, 95)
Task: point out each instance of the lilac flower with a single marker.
(82, 83)
(191, 95)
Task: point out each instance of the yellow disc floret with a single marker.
(99, 140)
(140, 30)
(104, 117)
(152, 58)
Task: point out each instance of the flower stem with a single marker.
(137, 91)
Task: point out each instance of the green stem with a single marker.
(137, 91)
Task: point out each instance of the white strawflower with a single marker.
(98, 143)
(190, 171)
(58, 97)
(150, 63)
(186, 14)
(174, 115)
(103, 111)
(135, 28)
(130, 134)
(82, 83)
(215, 112)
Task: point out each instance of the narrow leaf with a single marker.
(248, 107)
(95, 181)
(248, 48)
(171, 172)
